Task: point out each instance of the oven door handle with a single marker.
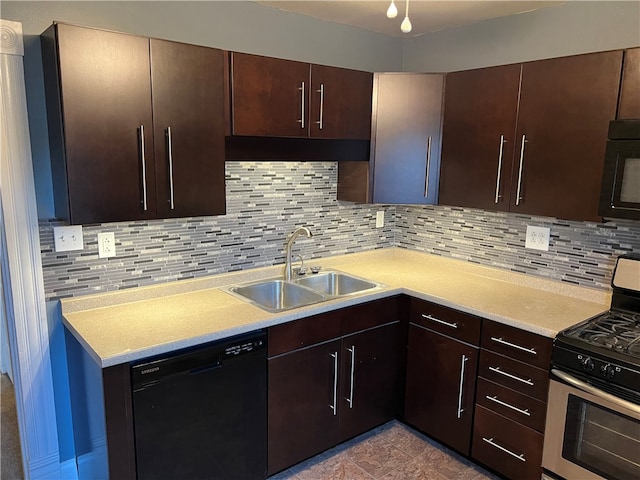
(585, 387)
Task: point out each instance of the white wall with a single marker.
(237, 25)
(568, 29)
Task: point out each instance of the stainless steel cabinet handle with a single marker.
(353, 368)
(462, 364)
(301, 104)
(334, 407)
(585, 387)
(144, 169)
(437, 320)
(514, 377)
(321, 116)
(518, 196)
(499, 175)
(505, 404)
(426, 175)
(170, 155)
(500, 447)
(532, 351)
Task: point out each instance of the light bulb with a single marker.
(392, 11)
(405, 26)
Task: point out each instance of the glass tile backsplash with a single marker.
(268, 200)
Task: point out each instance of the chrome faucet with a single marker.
(297, 232)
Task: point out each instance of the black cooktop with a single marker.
(605, 349)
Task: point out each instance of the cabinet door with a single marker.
(105, 85)
(369, 377)
(188, 112)
(566, 105)
(406, 147)
(340, 103)
(478, 137)
(303, 404)
(440, 385)
(269, 96)
(629, 107)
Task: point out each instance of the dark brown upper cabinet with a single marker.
(271, 97)
(534, 143)
(136, 126)
(629, 107)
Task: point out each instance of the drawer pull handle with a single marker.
(460, 409)
(170, 155)
(334, 407)
(302, 97)
(352, 350)
(437, 320)
(532, 351)
(505, 450)
(143, 160)
(514, 377)
(505, 404)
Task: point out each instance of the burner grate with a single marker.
(614, 330)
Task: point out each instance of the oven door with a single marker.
(590, 434)
(620, 189)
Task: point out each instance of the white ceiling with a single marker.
(426, 15)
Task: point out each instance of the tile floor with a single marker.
(390, 452)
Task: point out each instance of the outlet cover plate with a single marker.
(380, 219)
(66, 239)
(537, 238)
(106, 245)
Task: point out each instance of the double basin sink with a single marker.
(277, 295)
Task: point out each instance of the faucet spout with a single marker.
(296, 233)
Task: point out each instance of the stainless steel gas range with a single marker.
(593, 416)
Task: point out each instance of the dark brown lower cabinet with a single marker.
(509, 447)
(440, 386)
(301, 418)
(330, 391)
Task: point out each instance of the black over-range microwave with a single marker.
(620, 192)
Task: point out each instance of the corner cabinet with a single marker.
(530, 138)
(331, 377)
(442, 360)
(136, 126)
(272, 97)
(405, 144)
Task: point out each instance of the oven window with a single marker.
(601, 440)
(630, 188)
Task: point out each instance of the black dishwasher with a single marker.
(201, 413)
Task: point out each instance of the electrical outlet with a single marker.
(380, 219)
(106, 245)
(68, 238)
(537, 238)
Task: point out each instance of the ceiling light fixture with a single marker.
(392, 11)
(405, 26)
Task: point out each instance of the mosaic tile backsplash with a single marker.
(268, 200)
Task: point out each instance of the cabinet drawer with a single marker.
(527, 347)
(511, 404)
(447, 321)
(511, 449)
(515, 375)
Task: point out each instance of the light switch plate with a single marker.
(537, 238)
(106, 245)
(380, 219)
(66, 239)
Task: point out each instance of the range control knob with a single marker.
(587, 364)
(608, 370)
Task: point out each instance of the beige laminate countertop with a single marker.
(129, 325)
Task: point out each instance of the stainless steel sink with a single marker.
(335, 284)
(277, 295)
